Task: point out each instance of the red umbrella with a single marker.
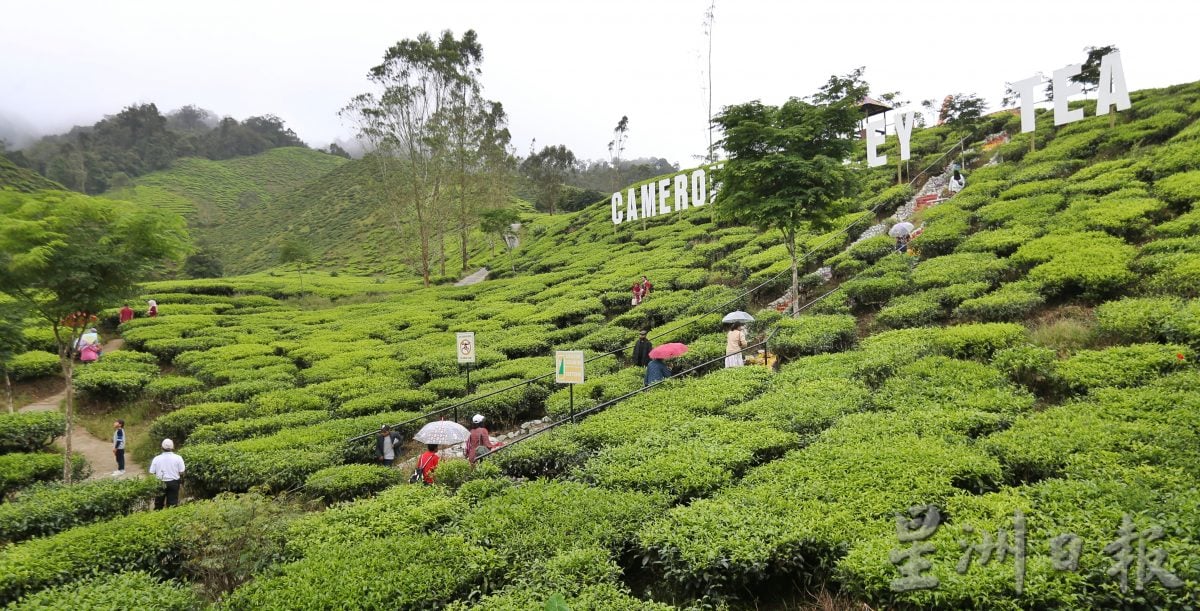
(668, 351)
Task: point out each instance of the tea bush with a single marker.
(30, 431)
(32, 365)
(20, 470)
(45, 509)
(1093, 264)
(347, 482)
(245, 428)
(920, 309)
(809, 335)
(132, 590)
(179, 424)
(958, 269)
(1121, 366)
(1010, 302)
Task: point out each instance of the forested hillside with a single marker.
(15, 178)
(1028, 368)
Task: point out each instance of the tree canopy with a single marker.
(786, 165)
(548, 170)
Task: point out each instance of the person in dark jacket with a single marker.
(657, 370)
(387, 445)
(641, 351)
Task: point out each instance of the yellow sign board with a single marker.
(568, 367)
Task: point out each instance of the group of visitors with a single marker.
(88, 346)
(641, 290)
(168, 467)
(478, 442)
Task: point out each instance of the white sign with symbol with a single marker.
(568, 367)
(465, 347)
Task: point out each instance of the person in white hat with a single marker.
(167, 467)
(478, 440)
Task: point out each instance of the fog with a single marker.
(565, 71)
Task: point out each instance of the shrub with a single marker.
(943, 232)
(1138, 319)
(876, 290)
(167, 389)
(958, 269)
(978, 341)
(1030, 366)
(397, 510)
(118, 376)
(548, 454)
(1001, 242)
(1182, 188)
(407, 571)
(245, 428)
(32, 365)
(391, 400)
(45, 509)
(30, 431)
(924, 308)
(346, 482)
(19, 470)
(177, 425)
(133, 590)
(1121, 366)
(1095, 264)
(594, 391)
(1030, 211)
(809, 335)
(147, 541)
(288, 400)
(805, 407)
(1008, 303)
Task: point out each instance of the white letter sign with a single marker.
(875, 136)
(616, 208)
(1112, 85)
(1064, 87)
(1024, 88)
(904, 125)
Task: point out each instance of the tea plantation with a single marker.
(1029, 371)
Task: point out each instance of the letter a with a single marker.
(631, 206)
(1112, 85)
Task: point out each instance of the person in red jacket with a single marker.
(479, 438)
(646, 288)
(637, 293)
(126, 314)
(428, 463)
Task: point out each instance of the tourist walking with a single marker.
(641, 350)
(957, 182)
(387, 444)
(656, 371)
(89, 346)
(152, 309)
(126, 314)
(168, 467)
(735, 342)
(119, 447)
(637, 293)
(646, 288)
(479, 439)
(426, 464)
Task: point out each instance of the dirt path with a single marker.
(475, 278)
(98, 452)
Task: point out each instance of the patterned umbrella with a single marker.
(443, 433)
(668, 351)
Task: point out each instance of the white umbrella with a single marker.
(738, 316)
(443, 433)
(900, 230)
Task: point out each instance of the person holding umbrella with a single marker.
(442, 432)
(735, 340)
(901, 231)
(657, 370)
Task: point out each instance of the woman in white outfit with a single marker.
(735, 342)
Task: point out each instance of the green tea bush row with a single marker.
(1121, 366)
(348, 482)
(1010, 302)
(30, 431)
(133, 590)
(245, 428)
(386, 401)
(46, 509)
(809, 335)
(32, 365)
(179, 424)
(166, 390)
(20, 470)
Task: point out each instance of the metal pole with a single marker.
(468, 378)
(571, 393)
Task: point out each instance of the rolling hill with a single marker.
(16, 178)
(1028, 369)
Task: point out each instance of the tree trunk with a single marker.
(8, 390)
(790, 238)
(68, 368)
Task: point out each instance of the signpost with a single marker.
(464, 345)
(568, 369)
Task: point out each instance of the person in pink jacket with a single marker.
(479, 438)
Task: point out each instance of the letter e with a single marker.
(664, 193)
(1064, 88)
(875, 136)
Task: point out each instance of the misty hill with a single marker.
(16, 178)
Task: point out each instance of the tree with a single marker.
(616, 147)
(67, 257)
(403, 124)
(192, 119)
(12, 340)
(336, 149)
(499, 222)
(204, 263)
(786, 165)
(295, 250)
(548, 170)
(961, 108)
(709, 22)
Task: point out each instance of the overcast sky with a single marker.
(565, 70)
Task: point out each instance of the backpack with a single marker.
(417, 475)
